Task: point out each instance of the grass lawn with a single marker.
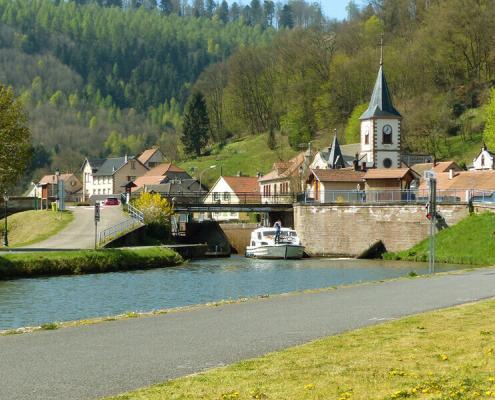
(471, 241)
(248, 155)
(18, 265)
(30, 227)
(447, 354)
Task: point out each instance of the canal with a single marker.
(31, 302)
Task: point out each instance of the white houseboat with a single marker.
(262, 244)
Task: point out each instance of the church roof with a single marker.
(335, 157)
(381, 101)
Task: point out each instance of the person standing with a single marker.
(278, 228)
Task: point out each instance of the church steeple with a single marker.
(381, 102)
(335, 157)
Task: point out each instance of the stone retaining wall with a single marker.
(332, 230)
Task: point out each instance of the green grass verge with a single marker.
(248, 155)
(447, 354)
(471, 241)
(16, 265)
(29, 227)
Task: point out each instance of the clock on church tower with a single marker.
(380, 128)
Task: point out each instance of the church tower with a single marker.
(380, 127)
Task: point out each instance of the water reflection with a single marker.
(28, 302)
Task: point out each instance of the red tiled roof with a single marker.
(387, 173)
(243, 184)
(338, 175)
(146, 155)
(162, 169)
(146, 180)
(442, 166)
(284, 169)
(53, 178)
(481, 180)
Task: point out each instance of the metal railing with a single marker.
(135, 221)
(384, 196)
(118, 230)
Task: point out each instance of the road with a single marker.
(88, 362)
(80, 233)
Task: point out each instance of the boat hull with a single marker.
(276, 251)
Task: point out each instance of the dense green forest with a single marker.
(110, 77)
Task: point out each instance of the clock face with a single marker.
(387, 130)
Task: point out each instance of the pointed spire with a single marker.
(335, 157)
(381, 102)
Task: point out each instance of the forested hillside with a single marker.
(112, 76)
(438, 56)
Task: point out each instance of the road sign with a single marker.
(97, 212)
(430, 174)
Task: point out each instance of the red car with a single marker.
(111, 201)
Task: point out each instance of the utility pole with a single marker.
(432, 215)
(97, 219)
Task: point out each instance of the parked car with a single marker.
(111, 201)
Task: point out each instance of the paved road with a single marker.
(92, 361)
(80, 233)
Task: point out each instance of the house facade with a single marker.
(110, 176)
(233, 190)
(484, 160)
(330, 185)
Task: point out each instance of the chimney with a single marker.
(239, 173)
(364, 166)
(259, 175)
(451, 174)
(125, 158)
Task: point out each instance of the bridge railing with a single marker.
(418, 196)
(118, 230)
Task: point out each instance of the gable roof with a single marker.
(463, 180)
(386, 173)
(242, 184)
(147, 154)
(290, 168)
(442, 166)
(335, 156)
(53, 178)
(146, 180)
(381, 101)
(338, 175)
(111, 165)
(163, 169)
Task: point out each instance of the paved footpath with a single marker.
(89, 362)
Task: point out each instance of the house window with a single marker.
(387, 163)
(226, 196)
(104, 191)
(216, 196)
(133, 164)
(483, 160)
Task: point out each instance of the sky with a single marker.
(334, 8)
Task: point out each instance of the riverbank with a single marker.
(471, 241)
(414, 357)
(33, 264)
(30, 227)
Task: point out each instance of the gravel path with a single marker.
(88, 362)
(80, 233)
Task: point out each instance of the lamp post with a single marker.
(201, 175)
(57, 200)
(5, 229)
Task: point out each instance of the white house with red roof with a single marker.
(233, 190)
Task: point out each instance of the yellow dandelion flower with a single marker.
(309, 386)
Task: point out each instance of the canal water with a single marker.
(31, 302)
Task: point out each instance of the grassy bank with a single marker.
(447, 354)
(471, 241)
(18, 265)
(31, 227)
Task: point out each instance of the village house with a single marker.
(285, 179)
(110, 176)
(484, 160)
(334, 185)
(438, 167)
(160, 174)
(151, 158)
(47, 189)
(233, 190)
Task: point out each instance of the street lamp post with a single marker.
(57, 199)
(5, 229)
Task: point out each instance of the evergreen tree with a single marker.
(286, 18)
(256, 12)
(210, 8)
(268, 13)
(166, 7)
(235, 11)
(196, 124)
(223, 11)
